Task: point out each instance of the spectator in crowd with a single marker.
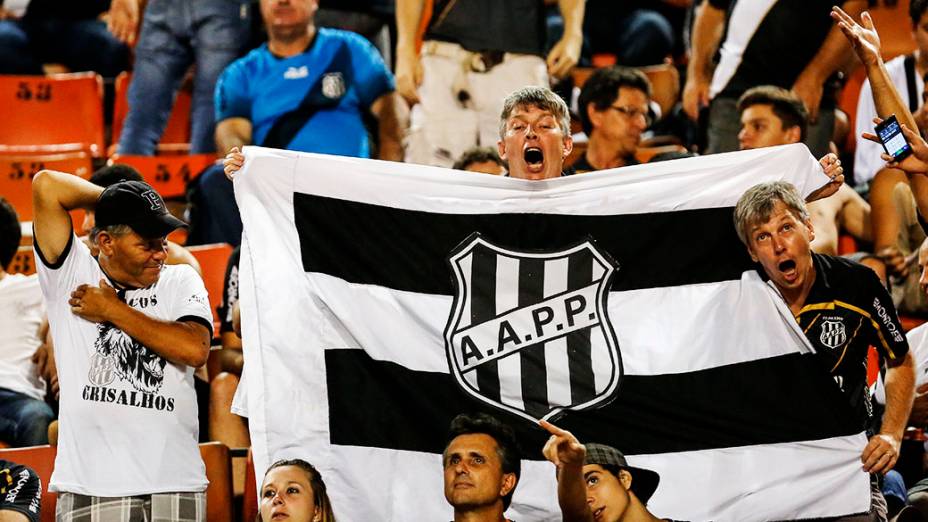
(72, 34)
(774, 116)
(307, 89)
(834, 301)
(613, 106)
(534, 133)
(20, 493)
(633, 30)
(473, 54)
(294, 490)
(112, 174)
(25, 364)
(482, 468)
(117, 321)
(889, 193)
(758, 49)
(595, 482)
(176, 34)
(906, 74)
(481, 159)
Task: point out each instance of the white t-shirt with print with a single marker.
(128, 418)
(21, 313)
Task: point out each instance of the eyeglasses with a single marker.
(632, 113)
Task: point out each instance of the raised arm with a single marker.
(707, 33)
(54, 194)
(567, 454)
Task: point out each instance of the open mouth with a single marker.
(786, 266)
(598, 513)
(533, 156)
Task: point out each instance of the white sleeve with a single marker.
(867, 161)
(74, 266)
(190, 299)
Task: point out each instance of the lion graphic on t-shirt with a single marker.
(135, 363)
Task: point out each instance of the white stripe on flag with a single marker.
(507, 298)
(556, 359)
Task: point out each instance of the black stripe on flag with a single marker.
(382, 404)
(532, 359)
(357, 242)
(579, 350)
(483, 308)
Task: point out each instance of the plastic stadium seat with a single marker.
(169, 175)
(16, 172)
(219, 472)
(42, 460)
(250, 498)
(213, 260)
(62, 109)
(177, 130)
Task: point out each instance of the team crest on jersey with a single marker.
(529, 332)
(833, 333)
(130, 361)
(333, 85)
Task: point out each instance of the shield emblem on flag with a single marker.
(529, 332)
(833, 333)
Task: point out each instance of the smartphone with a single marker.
(890, 133)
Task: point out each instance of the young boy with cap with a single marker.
(595, 482)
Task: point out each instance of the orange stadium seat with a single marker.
(56, 110)
(16, 172)
(213, 260)
(42, 460)
(250, 499)
(169, 175)
(177, 130)
(219, 473)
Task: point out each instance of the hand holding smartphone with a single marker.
(894, 142)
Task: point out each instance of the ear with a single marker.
(625, 478)
(509, 484)
(568, 145)
(808, 224)
(105, 243)
(752, 254)
(317, 515)
(595, 116)
(501, 148)
(794, 134)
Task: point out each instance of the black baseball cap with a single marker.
(644, 481)
(138, 205)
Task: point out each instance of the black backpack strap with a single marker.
(319, 96)
(910, 82)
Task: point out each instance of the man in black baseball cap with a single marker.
(595, 482)
(128, 331)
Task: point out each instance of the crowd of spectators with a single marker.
(453, 84)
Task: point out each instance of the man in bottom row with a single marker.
(481, 464)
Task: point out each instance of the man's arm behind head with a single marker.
(54, 194)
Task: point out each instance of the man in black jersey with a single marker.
(840, 305)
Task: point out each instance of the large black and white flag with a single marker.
(381, 299)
